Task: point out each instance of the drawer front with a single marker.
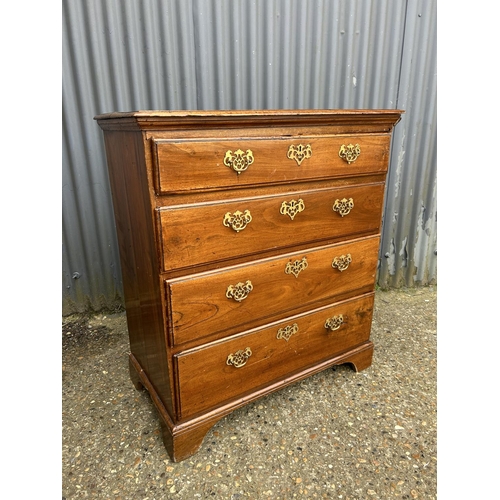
(225, 370)
(196, 234)
(241, 297)
(200, 165)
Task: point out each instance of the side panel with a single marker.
(136, 239)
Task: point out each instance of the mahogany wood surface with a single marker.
(183, 439)
(200, 307)
(199, 352)
(350, 121)
(204, 168)
(271, 358)
(195, 234)
(139, 267)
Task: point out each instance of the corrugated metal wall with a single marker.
(123, 55)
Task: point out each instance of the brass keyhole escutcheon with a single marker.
(299, 153)
(296, 267)
(292, 207)
(287, 332)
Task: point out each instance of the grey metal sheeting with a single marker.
(124, 55)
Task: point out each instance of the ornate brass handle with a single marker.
(296, 266)
(343, 206)
(334, 323)
(292, 207)
(239, 358)
(299, 153)
(350, 152)
(239, 291)
(342, 262)
(287, 332)
(239, 161)
(237, 220)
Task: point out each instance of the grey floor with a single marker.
(339, 434)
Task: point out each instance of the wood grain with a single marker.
(199, 305)
(138, 258)
(171, 195)
(195, 234)
(271, 358)
(199, 165)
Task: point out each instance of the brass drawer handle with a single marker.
(342, 262)
(334, 323)
(296, 266)
(287, 332)
(239, 161)
(292, 207)
(299, 153)
(239, 358)
(343, 206)
(239, 291)
(238, 220)
(350, 152)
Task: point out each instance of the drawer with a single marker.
(242, 297)
(213, 232)
(188, 165)
(225, 370)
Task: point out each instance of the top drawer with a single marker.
(195, 165)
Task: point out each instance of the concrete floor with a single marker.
(339, 434)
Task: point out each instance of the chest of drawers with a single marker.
(249, 247)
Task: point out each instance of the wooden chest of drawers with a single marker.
(249, 247)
